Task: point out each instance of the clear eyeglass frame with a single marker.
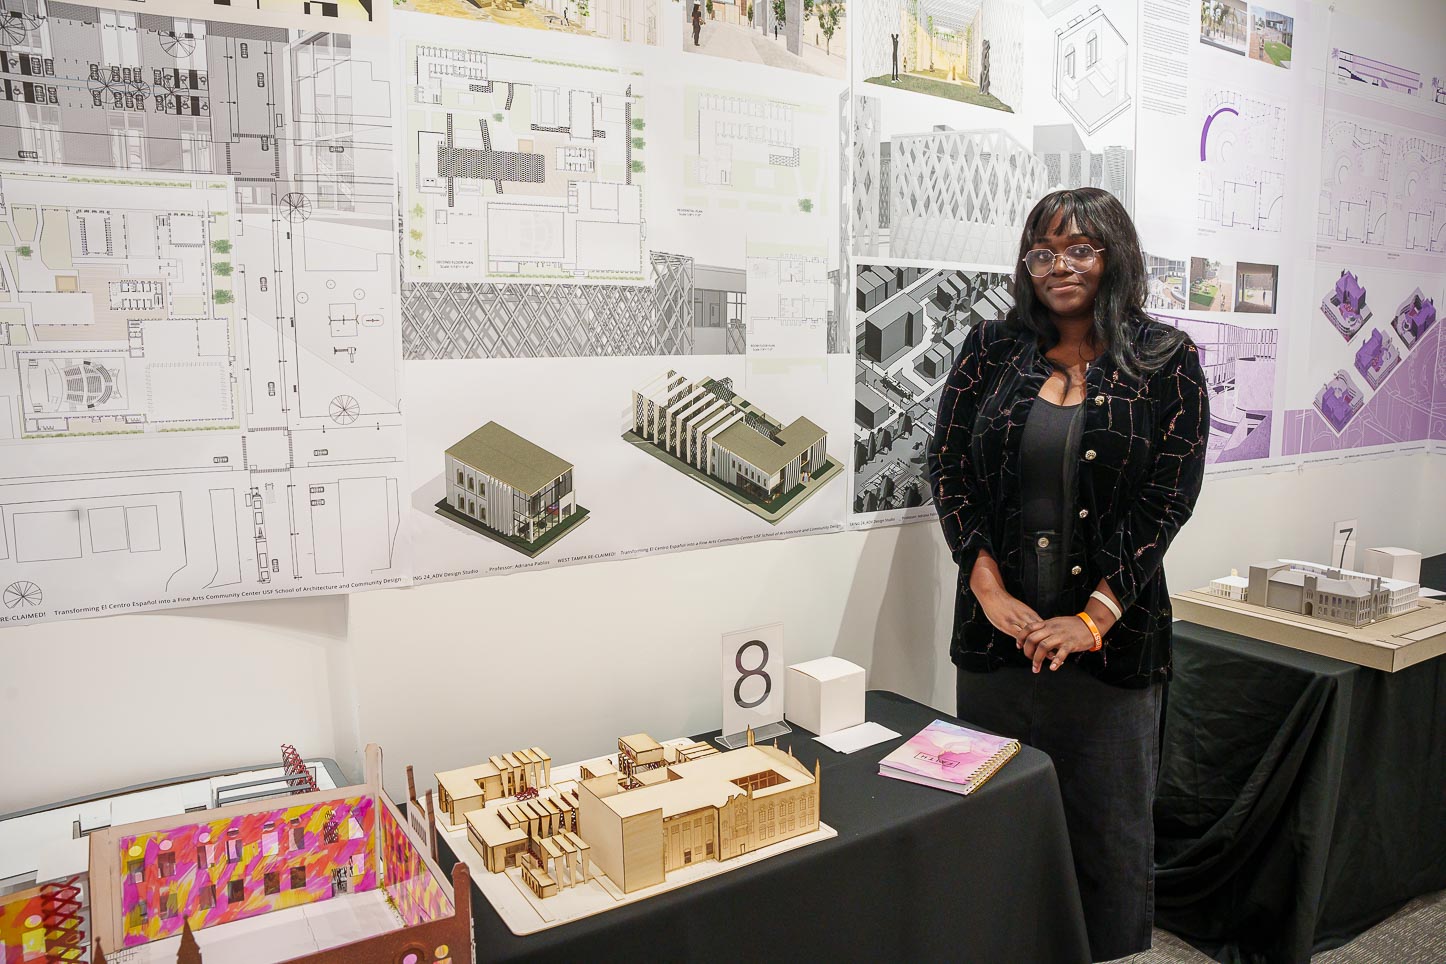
(1078, 258)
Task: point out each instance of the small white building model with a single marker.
(1337, 595)
(1233, 586)
(1392, 563)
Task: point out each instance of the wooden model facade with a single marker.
(177, 876)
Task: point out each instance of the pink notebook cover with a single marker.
(949, 753)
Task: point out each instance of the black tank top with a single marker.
(1042, 464)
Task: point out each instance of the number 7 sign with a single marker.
(753, 675)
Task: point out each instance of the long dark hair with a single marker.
(1120, 302)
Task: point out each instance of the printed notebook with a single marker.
(949, 756)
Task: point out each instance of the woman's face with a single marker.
(1065, 292)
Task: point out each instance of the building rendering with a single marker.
(721, 439)
(893, 329)
(1338, 595)
(1346, 306)
(1069, 164)
(500, 484)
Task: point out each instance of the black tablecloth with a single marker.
(1301, 799)
(914, 874)
(1433, 572)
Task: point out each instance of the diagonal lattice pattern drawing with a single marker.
(672, 317)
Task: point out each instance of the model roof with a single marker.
(509, 458)
(767, 455)
(640, 743)
(708, 782)
(464, 783)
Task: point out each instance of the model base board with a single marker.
(525, 913)
(1389, 644)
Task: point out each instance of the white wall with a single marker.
(445, 675)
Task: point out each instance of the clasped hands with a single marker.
(1041, 640)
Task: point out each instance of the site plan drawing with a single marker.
(199, 392)
(522, 169)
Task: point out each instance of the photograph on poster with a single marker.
(1271, 36)
(1212, 284)
(1255, 286)
(625, 21)
(911, 323)
(1223, 25)
(1166, 278)
(809, 36)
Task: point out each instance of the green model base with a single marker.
(773, 511)
(530, 549)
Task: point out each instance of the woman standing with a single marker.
(1069, 450)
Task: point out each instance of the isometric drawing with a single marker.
(962, 195)
(1166, 278)
(1223, 24)
(759, 154)
(1382, 185)
(1255, 286)
(1339, 400)
(1091, 70)
(503, 486)
(1239, 365)
(1272, 35)
(1212, 284)
(688, 309)
(1324, 592)
(198, 355)
(715, 436)
(1377, 357)
(1414, 318)
(963, 50)
(790, 307)
(522, 169)
(185, 882)
(809, 37)
(1242, 161)
(568, 841)
(626, 21)
(911, 323)
(1346, 306)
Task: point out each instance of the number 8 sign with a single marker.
(753, 673)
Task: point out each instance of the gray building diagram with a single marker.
(911, 326)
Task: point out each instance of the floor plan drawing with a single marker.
(754, 154)
(689, 309)
(791, 301)
(1242, 162)
(911, 323)
(522, 170)
(199, 392)
(1382, 187)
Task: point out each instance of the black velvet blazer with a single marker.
(1141, 461)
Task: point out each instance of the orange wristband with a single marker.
(1094, 631)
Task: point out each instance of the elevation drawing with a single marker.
(522, 169)
(911, 323)
(718, 438)
(199, 364)
(689, 309)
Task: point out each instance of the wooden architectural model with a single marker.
(157, 884)
(650, 811)
(506, 775)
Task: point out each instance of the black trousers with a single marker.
(1104, 741)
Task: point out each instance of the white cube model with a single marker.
(825, 695)
(1393, 563)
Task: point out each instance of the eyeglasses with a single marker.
(1078, 258)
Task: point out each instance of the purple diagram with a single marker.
(1414, 318)
(1339, 400)
(1239, 366)
(1346, 306)
(1377, 357)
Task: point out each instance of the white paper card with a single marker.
(1428, 592)
(857, 737)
